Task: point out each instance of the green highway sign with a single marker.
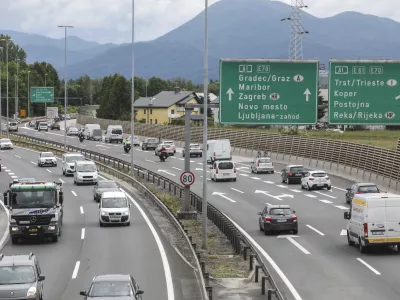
(364, 92)
(268, 91)
(42, 95)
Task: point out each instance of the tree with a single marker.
(322, 106)
(156, 85)
(14, 51)
(209, 110)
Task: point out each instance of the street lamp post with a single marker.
(133, 84)
(90, 90)
(7, 41)
(45, 85)
(16, 90)
(65, 84)
(1, 109)
(29, 100)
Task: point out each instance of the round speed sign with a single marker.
(187, 178)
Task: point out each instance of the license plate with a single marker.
(226, 174)
(378, 232)
(281, 220)
(320, 184)
(297, 174)
(33, 230)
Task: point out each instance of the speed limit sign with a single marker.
(187, 178)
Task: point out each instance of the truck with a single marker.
(35, 210)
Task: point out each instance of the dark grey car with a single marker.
(20, 277)
(293, 173)
(104, 186)
(278, 218)
(360, 188)
(113, 287)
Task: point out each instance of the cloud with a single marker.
(110, 20)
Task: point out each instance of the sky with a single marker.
(109, 21)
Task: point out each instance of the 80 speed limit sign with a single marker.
(187, 178)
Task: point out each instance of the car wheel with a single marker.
(201, 155)
(362, 248)
(14, 240)
(261, 229)
(101, 224)
(283, 180)
(128, 224)
(308, 187)
(234, 179)
(63, 171)
(266, 232)
(302, 186)
(215, 179)
(288, 181)
(329, 188)
(54, 239)
(349, 241)
(296, 231)
(272, 172)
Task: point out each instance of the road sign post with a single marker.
(268, 91)
(364, 92)
(42, 95)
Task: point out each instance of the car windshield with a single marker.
(165, 146)
(47, 154)
(152, 140)
(296, 169)
(368, 189)
(225, 165)
(5, 141)
(17, 275)
(107, 184)
(116, 131)
(265, 160)
(168, 142)
(111, 289)
(13, 124)
(33, 199)
(280, 211)
(43, 124)
(73, 129)
(318, 174)
(86, 168)
(195, 146)
(114, 203)
(71, 159)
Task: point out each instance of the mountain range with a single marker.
(237, 29)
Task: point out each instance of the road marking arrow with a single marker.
(165, 171)
(290, 239)
(223, 196)
(266, 193)
(343, 232)
(230, 93)
(285, 195)
(307, 93)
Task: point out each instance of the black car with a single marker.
(114, 287)
(278, 218)
(360, 188)
(55, 126)
(293, 173)
(104, 186)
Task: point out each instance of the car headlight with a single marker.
(95, 176)
(103, 213)
(126, 213)
(31, 292)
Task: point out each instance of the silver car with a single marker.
(262, 165)
(167, 147)
(6, 144)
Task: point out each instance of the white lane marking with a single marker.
(278, 172)
(17, 156)
(103, 149)
(192, 161)
(244, 171)
(237, 191)
(206, 178)
(164, 258)
(180, 158)
(296, 191)
(311, 196)
(268, 203)
(176, 168)
(83, 234)
(238, 163)
(270, 260)
(282, 186)
(81, 208)
(33, 162)
(7, 170)
(150, 161)
(102, 146)
(343, 232)
(256, 178)
(6, 232)
(368, 266)
(200, 164)
(245, 175)
(326, 201)
(326, 195)
(74, 193)
(14, 176)
(304, 250)
(48, 170)
(316, 230)
(269, 182)
(9, 173)
(339, 189)
(342, 207)
(76, 269)
(62, 181)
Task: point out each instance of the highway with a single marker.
(85, 249)
(313, 264)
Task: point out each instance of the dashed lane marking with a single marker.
(342, 207)
(326, 201)
(62, 181)
(83, 234)
(316, 230)
(237, 190)
(76, 269)
(326, 195)
(73, 193)
(310, 196)
(368, 266)
(81, 209)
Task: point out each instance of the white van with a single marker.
(43, 126)
(85, 171)
(68, 162)
(91, 132)
(373, 220)
(114, 133)
(218, 150)
(114, 209)
(223, 170)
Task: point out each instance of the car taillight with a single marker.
(216, 170)
(201, 149)
(310, 178)
(234, 170)
(258, 163)
(365, 229)
(268, 219)
(294, 218)
(214, 153)
(289, 174)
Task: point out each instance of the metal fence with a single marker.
(111, 165)
(364, 158)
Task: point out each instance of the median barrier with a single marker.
(345, 159)
(109, 165)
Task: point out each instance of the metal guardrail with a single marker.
(240, 243)
(356, 157)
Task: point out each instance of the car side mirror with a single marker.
(129, 205)
(83, 293)
(259, 213)
(42, 277)
(139, 292)
(346, 215)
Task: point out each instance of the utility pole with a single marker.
(45, 85)
(1, 110)
(133, 86)
(29, 100)
(16, 90)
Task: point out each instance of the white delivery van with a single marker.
(114, 209)
(223, 170)
(219, 150)
(373, 220)
(90, 132)
(114, 133)
(43, 126)
(85, 171)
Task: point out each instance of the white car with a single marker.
(136, 141)
(170, 143)
(223, 170)
(72, 131)
(6, 144)
(47, 159)
(167, 147)
(114, 209)
(315, 180)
